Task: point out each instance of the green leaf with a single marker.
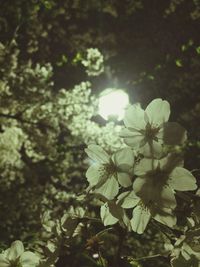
(179, 63)
(198, 49)
(183, 48)
(78, 57)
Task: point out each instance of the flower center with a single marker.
(108, 169)
(14, 263)
(151, 132)
(157, 178)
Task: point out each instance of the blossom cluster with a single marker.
(93, 62)
(11, 140)
(144, 176)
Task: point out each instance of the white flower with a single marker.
(111, 213)
(151, 127)
(107, 171)
(154, 189)
(142, 212)
(15, 256)
(158, 180)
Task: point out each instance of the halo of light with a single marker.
(112, 103)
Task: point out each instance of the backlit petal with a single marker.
(182, 180)
(158, 111)
(174, 133)
(128, 200)
(97, 153)
(15, 251)
(124, 179)
(3, 261)
(109, 189)
(94, 174)
(141, 217)
(29, 259)
(134, 117)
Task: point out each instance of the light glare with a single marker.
(112, 103)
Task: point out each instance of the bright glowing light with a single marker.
(112, 103)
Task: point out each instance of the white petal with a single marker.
(166, 217)
(174, 133)
(171, 161)
(154, 150)
(94, 174)
(141, 217)
(106, 217)
(145, 165)
(124, 158)
(124, 179)
(97, 153)
(166, 198)
(109, 189)
(138, 184)
(3, 261)
(158, 111)
(134, 117)
(182, 180)
(144, 188)
(132, 138)
(29, 259)
(128, 200)
(156, 193)
(15, 251)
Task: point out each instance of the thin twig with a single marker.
(148, 257)
(104, 231)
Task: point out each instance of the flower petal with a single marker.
(165, 198)
(154, 150)
(97, 153)
(166, 217)
(170, 162)
(132, 138)
(93, 174)
(158, 111)
(15, 251)
(124, 159)
(182, 180)
(128, 200)
(145, 165)
(134, 117)
(156, 193)
(141, 217)
(29, 259)
(106, 216)
(174, 133)
(124, 179)
(109, 189)
(3, 261)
